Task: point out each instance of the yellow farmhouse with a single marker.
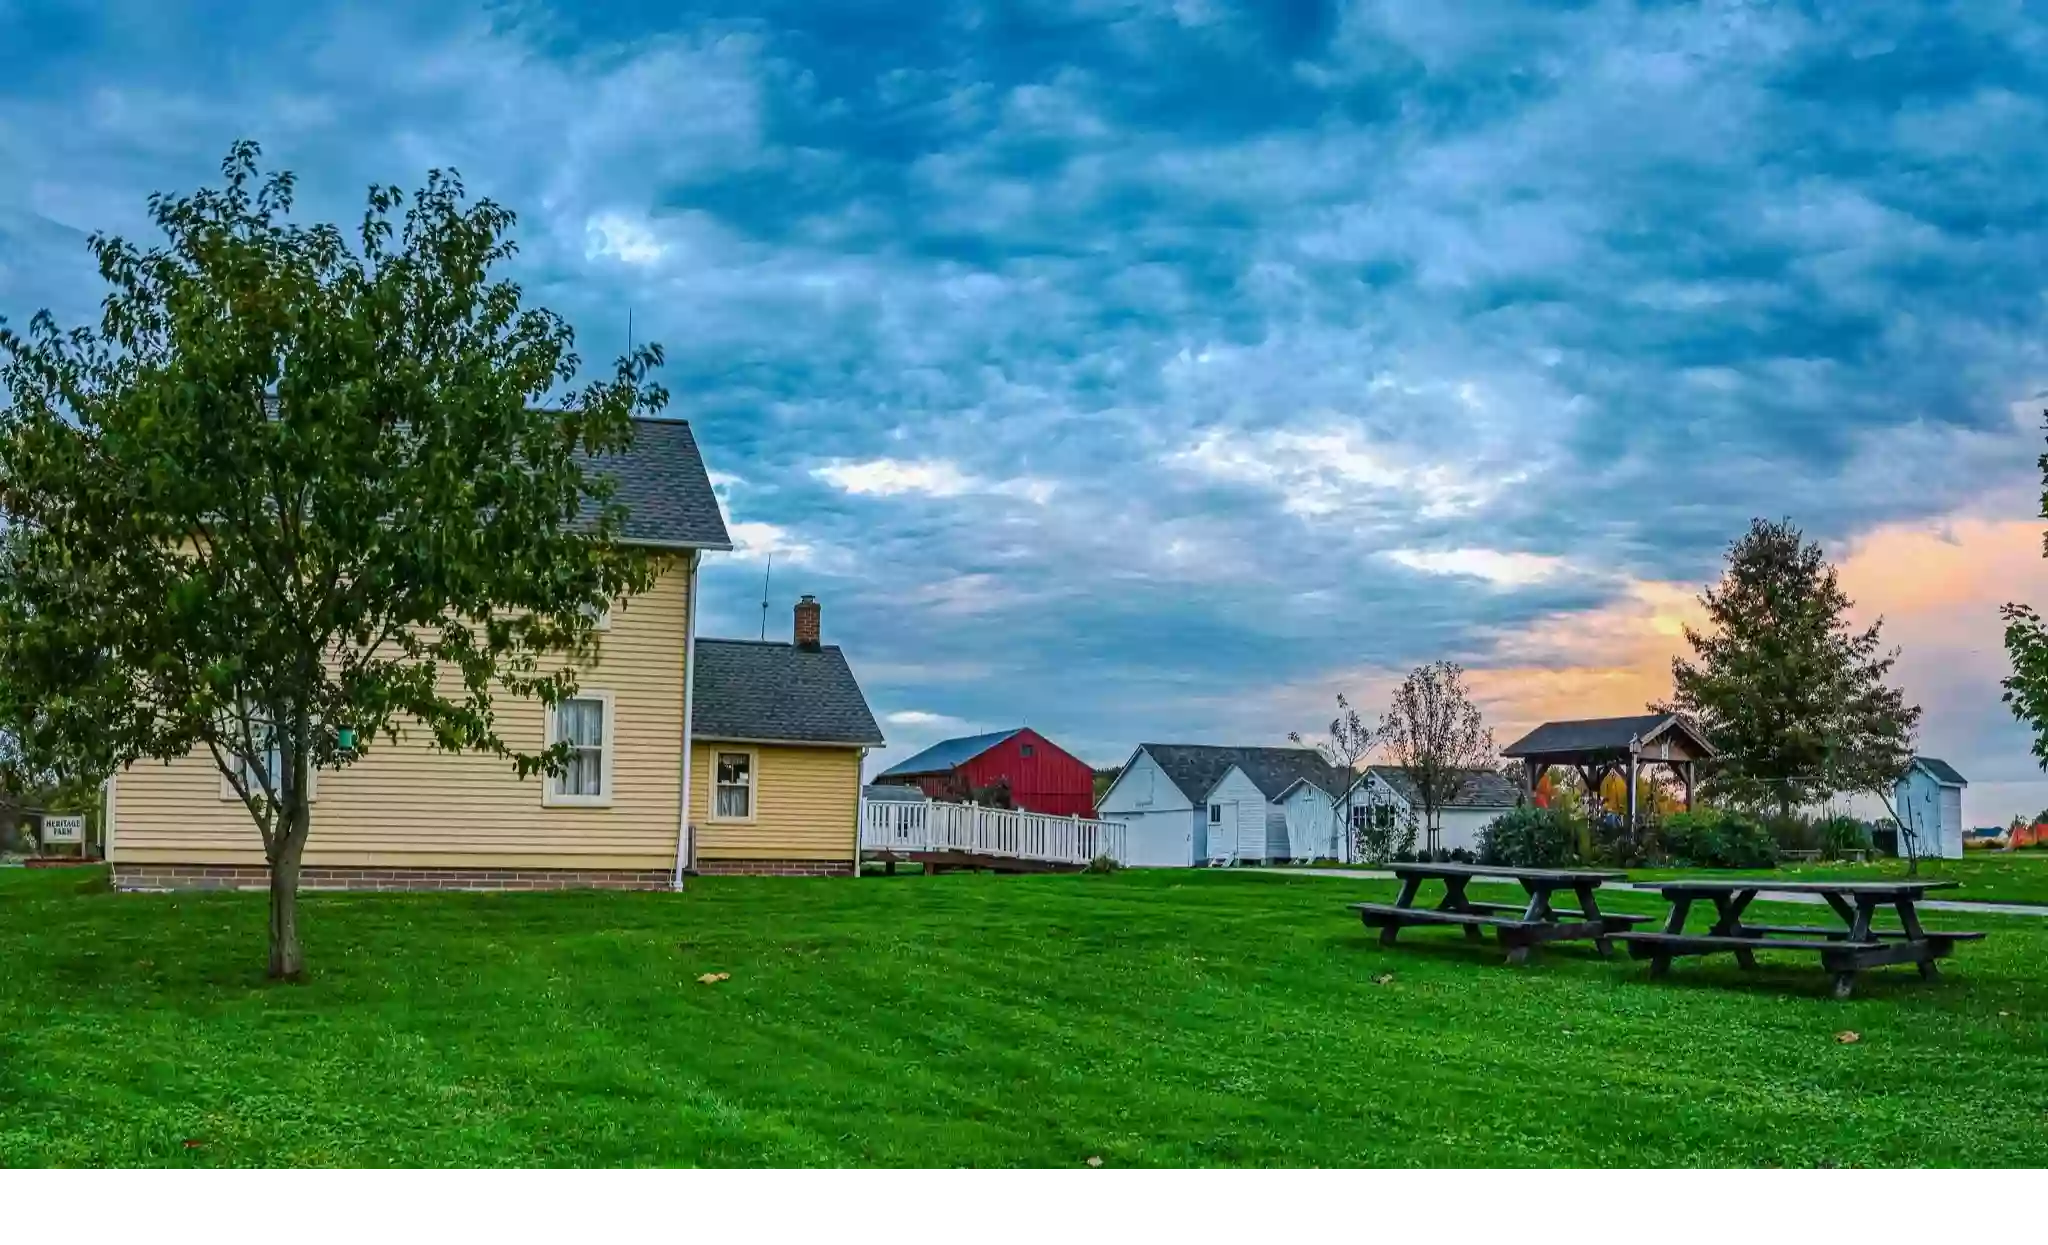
(761, 742)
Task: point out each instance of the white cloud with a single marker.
(612, 235)
(1506, 570)
(754, 541)
(892, 477)
(920, 717)
(1326, 471)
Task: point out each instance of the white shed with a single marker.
(1192, 804)
(1162, 826)
(1930, 806)
(1314, 830)
(1482, 796)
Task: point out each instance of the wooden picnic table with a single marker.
(1518, 927)
(1844, 950)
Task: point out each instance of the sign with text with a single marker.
(66, 829)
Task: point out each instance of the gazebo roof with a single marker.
(1603, 737)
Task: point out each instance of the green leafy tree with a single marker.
(2026, 644)
(1437, 738)
(1792, 696)
(297, 498)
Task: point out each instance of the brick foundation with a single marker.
(777, 868)
(344, 878)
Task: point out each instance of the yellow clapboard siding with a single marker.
(807, 803)
(411, 805)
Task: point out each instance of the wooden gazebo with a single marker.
(1597, 746)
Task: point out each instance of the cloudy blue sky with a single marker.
(1153, 369)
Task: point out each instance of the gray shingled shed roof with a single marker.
(664, 488)
(1196, 768)
(1481, 788)
(774, 691)
(893, 793)
(1942, 771)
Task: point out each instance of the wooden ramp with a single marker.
(943, 836)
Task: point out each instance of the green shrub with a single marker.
(1841, 835)
(1383, 834)
(1714, 838)
(1104, 864)
(1793, 833)
(1528, 837)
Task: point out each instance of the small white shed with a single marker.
(1192, 804)
(1929, 800)
(1482, 796)
(1315, 831)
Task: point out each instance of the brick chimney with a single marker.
(807, 623)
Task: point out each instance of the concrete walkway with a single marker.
(1766, 893)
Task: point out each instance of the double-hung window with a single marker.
(733, 786)
(584, 723)
(268, 765)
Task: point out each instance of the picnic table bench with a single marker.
(1518, 927)
(1844, 949)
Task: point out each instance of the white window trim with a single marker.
(227, 789)
(549, 797)
(753, 756)
(1215, 814)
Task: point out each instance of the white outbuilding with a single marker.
(1192, 804)
(1929, 800)
(1384, 792)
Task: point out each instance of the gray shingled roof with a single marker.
(892, 793)
(664, 488)
(1482, 788)
(769, 690)
(1942, 771)
(1195, 768)
(1590, 734)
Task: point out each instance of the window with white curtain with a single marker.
(270, 765)
(583, 722)
(735, 786)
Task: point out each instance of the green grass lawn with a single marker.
(1988, 877)
(1146, 1018)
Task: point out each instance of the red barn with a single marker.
(1040, 776)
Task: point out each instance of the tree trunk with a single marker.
(287, 961)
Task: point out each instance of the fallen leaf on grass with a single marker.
(1382, 979)
(193, 1143)
(2005, 1013)
(1094, 1160)
(1847, 1036)
(710, 979)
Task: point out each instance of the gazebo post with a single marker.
(1631, 792)
(1688, 786)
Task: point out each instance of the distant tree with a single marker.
(1104, 780)
(1651, 794)
(1437, 738)
(1870, 738)
(1792, 697)
(2026, 645)
(297, 495)
(29, 781)
(1346, 742)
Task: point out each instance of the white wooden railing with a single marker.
(935, 826)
